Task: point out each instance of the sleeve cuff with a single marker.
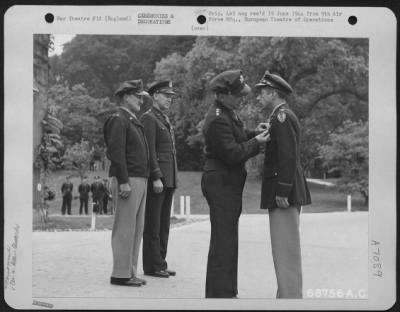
(156, 174)
(255, 145)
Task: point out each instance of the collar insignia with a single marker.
(281, 116)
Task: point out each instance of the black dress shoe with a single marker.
(170, 272)
(125, 282)
(160, 273)
(140, 280)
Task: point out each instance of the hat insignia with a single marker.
(281, 116)
(170, 84)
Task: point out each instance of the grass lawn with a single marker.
(71, 223)
(324, 198)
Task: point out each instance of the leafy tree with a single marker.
(48, 153)
(78, 157)
(79, 113)
(347, 151)
(329, 77)
(101, 62)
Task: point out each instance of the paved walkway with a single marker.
(78, 264)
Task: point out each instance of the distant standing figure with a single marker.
(66, 189)
(83, 189)
(97, 189)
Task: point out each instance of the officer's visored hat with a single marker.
(275, 82)
(131, 86)
(230, 81)
(164, 86)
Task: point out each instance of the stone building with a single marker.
(40, 87)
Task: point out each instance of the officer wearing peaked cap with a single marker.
(228, 145)
(128, 152)
(162, 182)
(284, 187)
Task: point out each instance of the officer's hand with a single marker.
(125, 190)
(282, 202)
(262, 126)
(263, 137)
(158, 186)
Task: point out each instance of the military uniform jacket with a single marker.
(228, 145)
(84, 190)
(282, 174)
(66, 188)
(97, 189)
(126, 146)
(162, 153)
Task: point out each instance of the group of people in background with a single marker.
(143, 175)
(100, 196)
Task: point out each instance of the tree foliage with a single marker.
(79, 112)
(347, 151)
(78, 157)
(48, 153)
(101, 62)
(329, 76)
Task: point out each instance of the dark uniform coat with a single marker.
(84, 189)
(126, 147)
(160, 138)
(66, 188)
(283, 175)
(227, 148)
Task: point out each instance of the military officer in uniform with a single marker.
(128, 152)
(284, 187)
(84, 189)
(228, 145)
(97, 189)
(162, 181)
(66, 190)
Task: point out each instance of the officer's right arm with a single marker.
(221, 140)
(115, 138)
(150, 130)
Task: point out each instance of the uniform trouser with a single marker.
(286, 252)
(98, 202)
(225, 203)
(105, 203)
(83, 203)
(66, 203)
(156, 229)
(127, 229)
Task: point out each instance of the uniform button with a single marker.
(276, 173)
